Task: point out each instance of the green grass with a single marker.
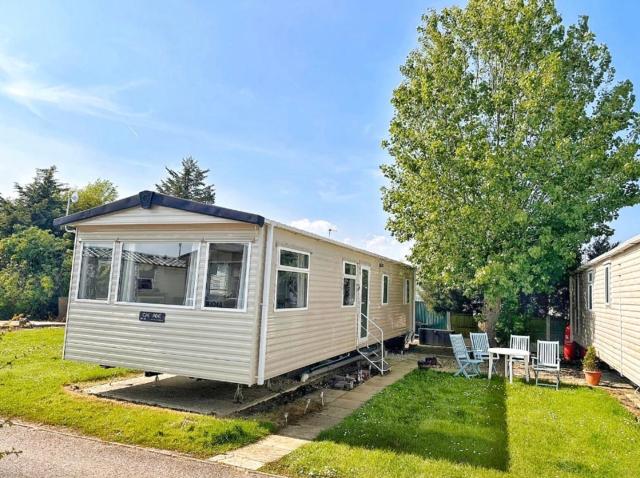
(432, 424)
(32, 377)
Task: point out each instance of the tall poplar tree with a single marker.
(512, 144)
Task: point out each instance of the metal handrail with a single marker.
(379, 340)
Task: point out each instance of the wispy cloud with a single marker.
(329, 191)
(387, 246)
(19, 82)
(317, 226)
(380, 244)
(88, 102)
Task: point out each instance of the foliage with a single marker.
(598, 246)
(96, 193)
(512, 145)
(451, 300)
(590, 360)
(37, 204)
(31, 273)
(513, 320)
(188, 183)
(33, 388)
(431, 424)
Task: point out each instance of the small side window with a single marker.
(607, 284)
(590, 290)
(406, 292)
(349, 274)
(292, 279)
(385, 289)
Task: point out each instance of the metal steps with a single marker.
(374, 353)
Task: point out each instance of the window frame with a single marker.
(151, 305)
(382, 302)
(607, 284)
(349, 276)
(590, 276)
(280, 267)
(406, 292)
(206, 271)
(77, 280)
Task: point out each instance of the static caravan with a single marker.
(167, 285)
(605, 307)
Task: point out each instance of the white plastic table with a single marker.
(508, 354)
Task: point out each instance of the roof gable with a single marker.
(148, 199)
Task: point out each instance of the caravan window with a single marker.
(407, 291)
(95, 271)
(590, 290)
(349, 273)
(385, 289)
(226, 280)
(158, 273)
(292, 289)
(607, 284)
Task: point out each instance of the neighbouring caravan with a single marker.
(605, 307)
(168, 285)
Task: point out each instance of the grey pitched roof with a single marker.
(148, 199)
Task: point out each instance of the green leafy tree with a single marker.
(512, 146)
(188, 183)
(37, 204)
(34, 267)
(96, 193)
(598, 246)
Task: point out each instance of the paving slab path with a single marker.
(337, 405)
(52, 453)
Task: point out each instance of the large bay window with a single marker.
(292, 288)
(226, 279)
(158, 273)
(349, 272)
(95, 271)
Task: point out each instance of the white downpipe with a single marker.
(264, 313)
(413, 305)
(619, 316)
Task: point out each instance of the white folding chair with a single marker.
(547, 359)
(519, 342)
(480, 347)
(468, 367)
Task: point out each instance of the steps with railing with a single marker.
(373, 352)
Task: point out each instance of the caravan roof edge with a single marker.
(147, 199)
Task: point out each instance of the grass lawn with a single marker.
(32, 376)
(431, 424)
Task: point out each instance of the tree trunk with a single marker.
(490, 312)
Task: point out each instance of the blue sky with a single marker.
(285, 102)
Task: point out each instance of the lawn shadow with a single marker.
(434, 415)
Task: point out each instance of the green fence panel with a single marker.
(428, 318)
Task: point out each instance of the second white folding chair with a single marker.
(519, 342)
(547, 360)
(480, 348)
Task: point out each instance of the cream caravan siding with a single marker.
(213, 344)
(614, 329)
(154, 215)
(296, 338)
